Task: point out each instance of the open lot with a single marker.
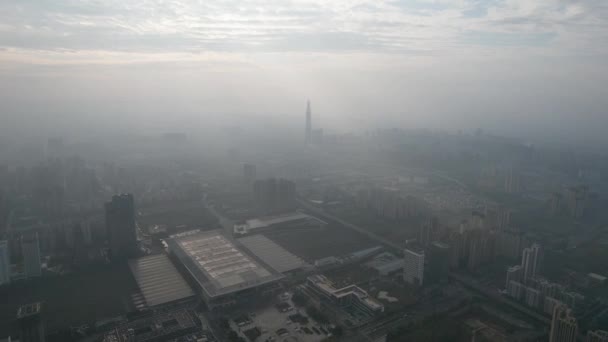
(316, 243)
(275, 325)
(191, 215)
(74, 299)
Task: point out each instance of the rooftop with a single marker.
(325, 285)
(220, 265)
(268, 221)
(158, 280)
(414, 249)
(272, 254)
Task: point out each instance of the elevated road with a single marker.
(500, 299)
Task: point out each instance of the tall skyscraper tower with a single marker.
(30, 247)
(564, 327)
(308, 124)
(31, 324)
(5, 263)
(121, 227)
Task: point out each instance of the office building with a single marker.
(564, 327)
(121, 227)
(308, 133)
(531, 262)
(30, 248)
(597, 336)
(438, 263)
(413, 265)
(30, 323)
(5, 263)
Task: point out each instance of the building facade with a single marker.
(5, 263)
(531, 262)
(438, 263)
(564, 327)
(30, 323)
(413, 265)
(30, 248)
(121, 227)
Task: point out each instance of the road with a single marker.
(498, 298)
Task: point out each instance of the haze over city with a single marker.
(523, 68)
(303, 171)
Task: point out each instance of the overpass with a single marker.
(498, 298)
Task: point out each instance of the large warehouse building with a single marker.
(159, 282)
(223, 272)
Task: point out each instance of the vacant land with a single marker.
(191, 215)
(316, 243)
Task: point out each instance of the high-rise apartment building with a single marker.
(514, 273)
(121, 227)
(564, 327)
(531, 262)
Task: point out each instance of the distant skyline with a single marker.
(516, 67)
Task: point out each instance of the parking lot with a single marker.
(290, 325)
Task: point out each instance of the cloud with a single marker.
(378, 26)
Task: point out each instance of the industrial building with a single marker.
(386, 264)
(221, 269)
(159, 281)
(261, 224)
(273, 254)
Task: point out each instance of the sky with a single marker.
(515, 67)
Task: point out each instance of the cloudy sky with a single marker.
(511, 66)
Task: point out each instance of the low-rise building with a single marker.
(351, 295)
